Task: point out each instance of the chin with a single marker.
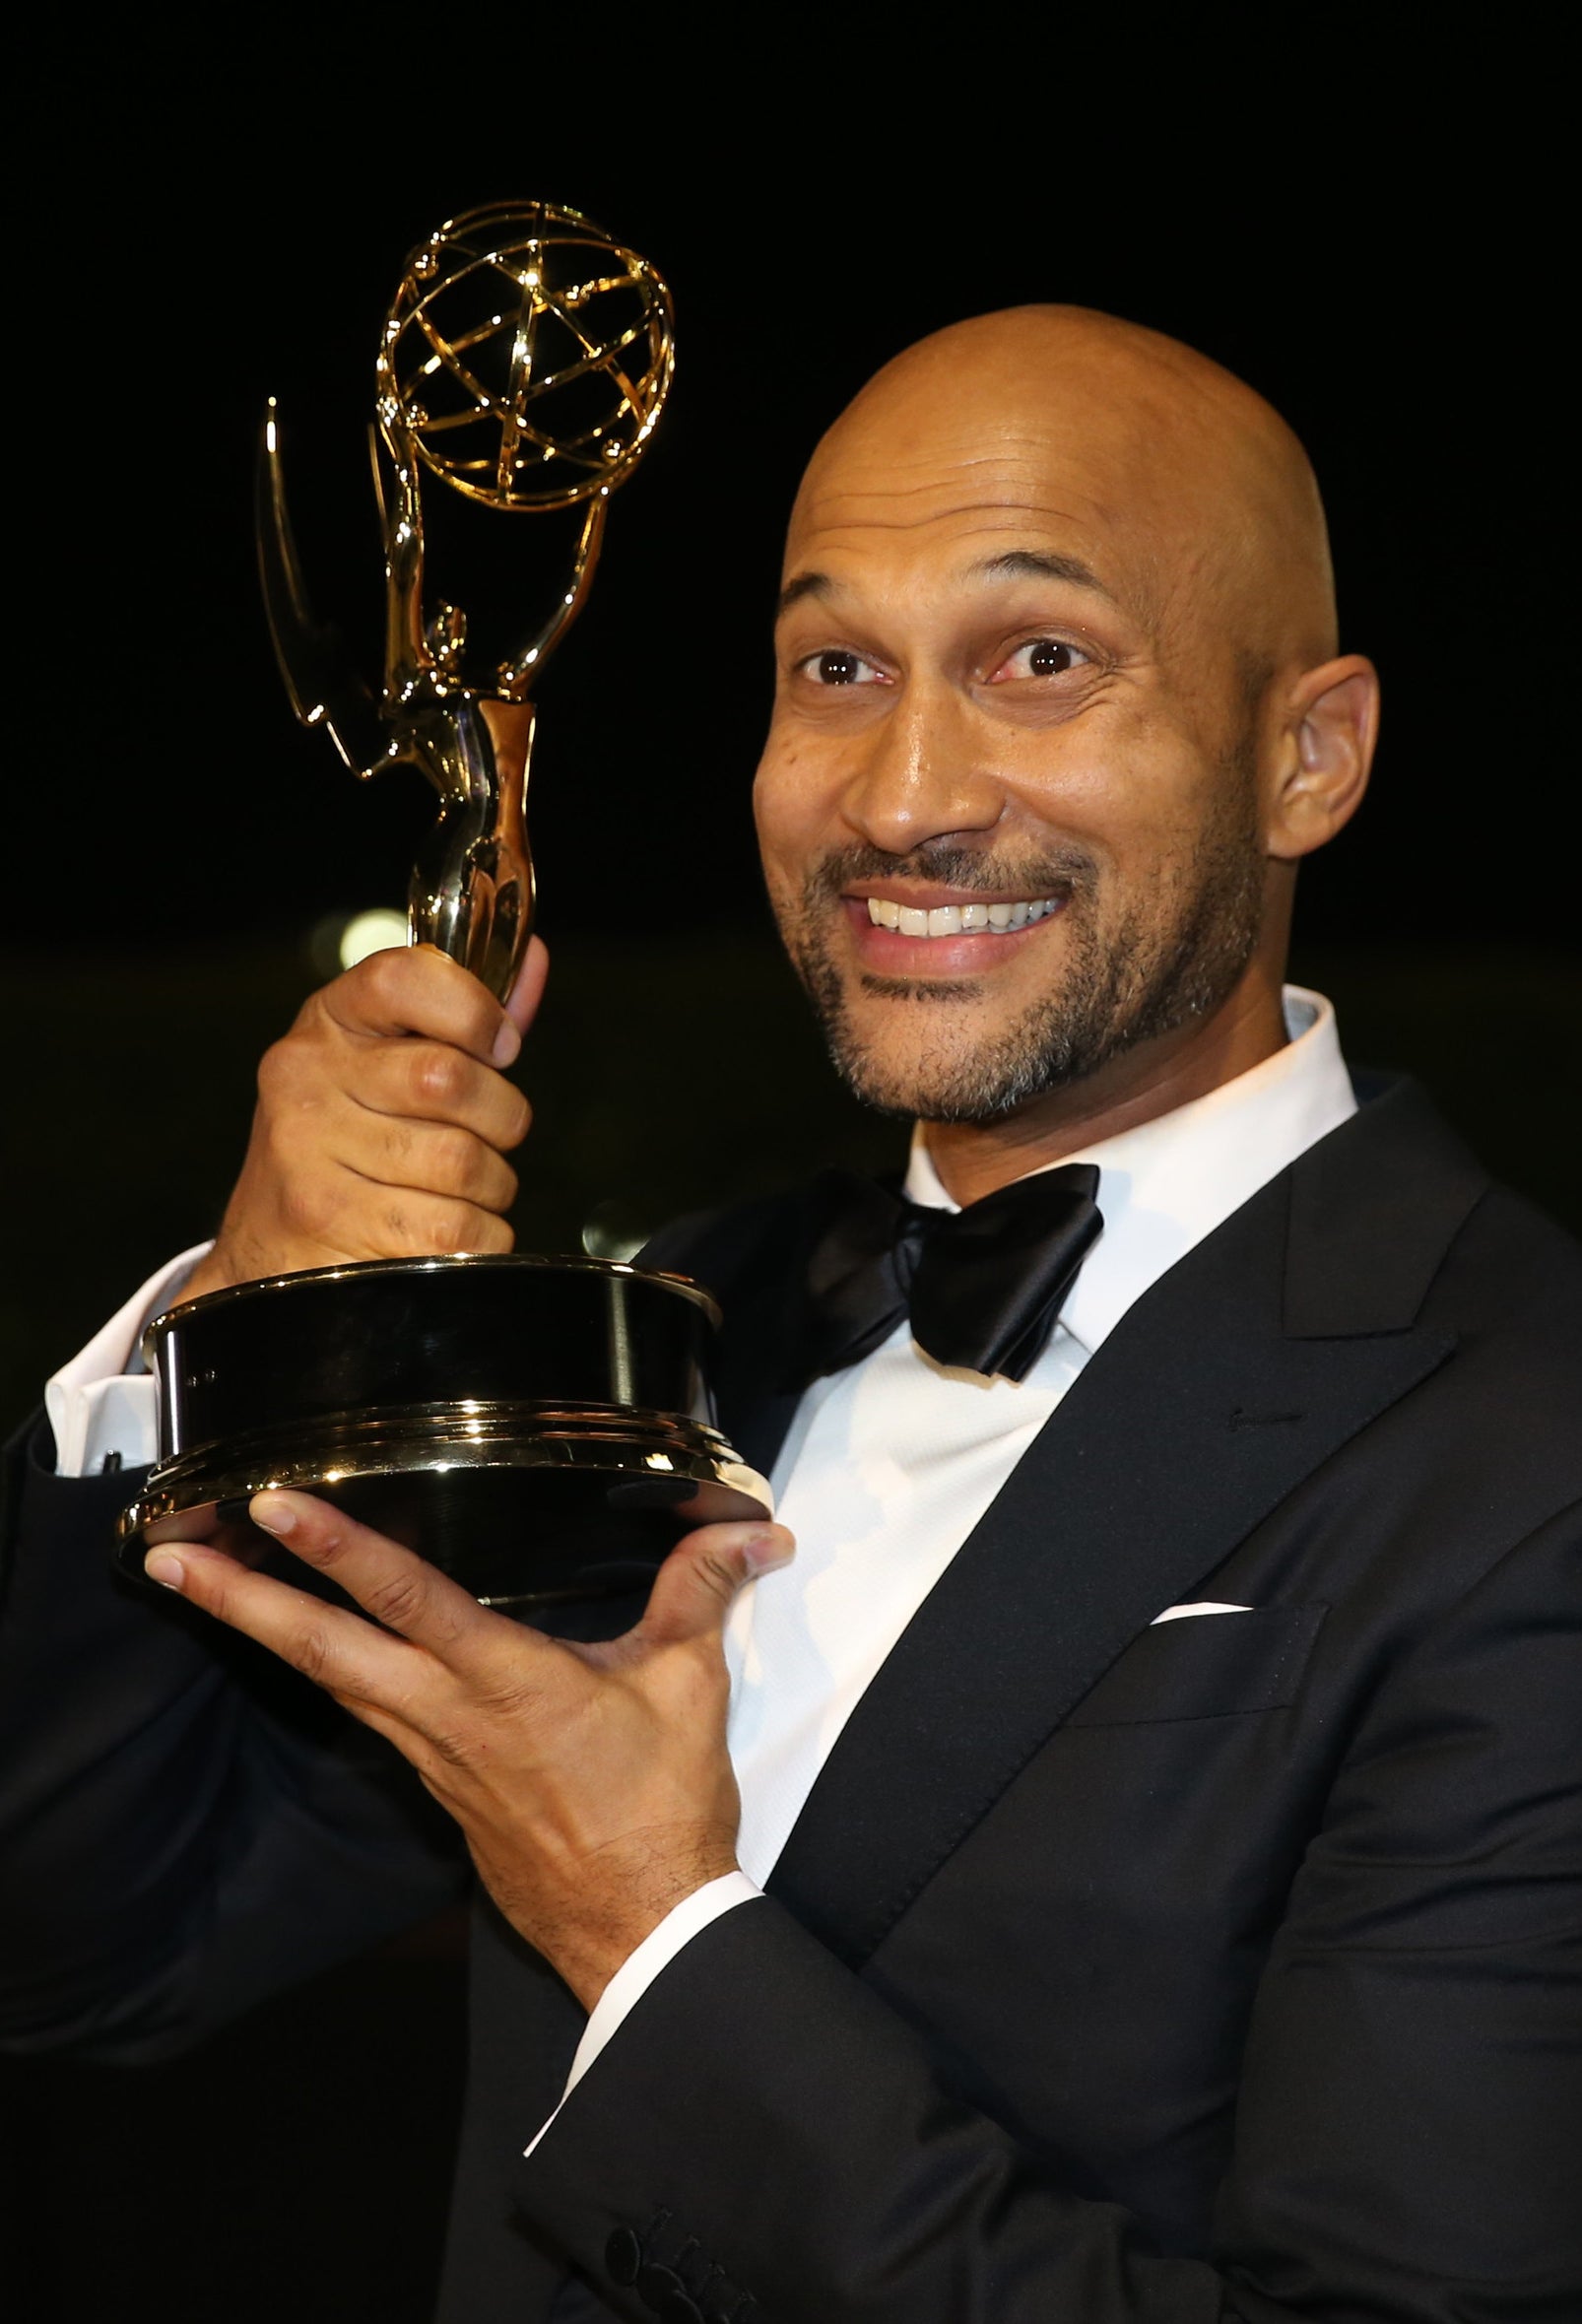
(955, 1080)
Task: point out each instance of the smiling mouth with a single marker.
(960, 919)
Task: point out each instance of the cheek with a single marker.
(1132, 788)
(793, 801)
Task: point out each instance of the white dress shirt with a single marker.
(888, 1465)
(99, 1409)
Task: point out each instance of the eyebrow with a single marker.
(1042, 565)
(804, 586)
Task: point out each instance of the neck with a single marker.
(972, 1158)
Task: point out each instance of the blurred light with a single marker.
(378, 931)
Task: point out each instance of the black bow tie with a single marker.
(983, 1285)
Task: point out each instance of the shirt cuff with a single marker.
(639, 1970)
(98, 1406)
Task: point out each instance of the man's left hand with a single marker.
(591, 1782)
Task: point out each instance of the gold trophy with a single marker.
(537, 1426)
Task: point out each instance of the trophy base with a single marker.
(528, 1506)
(538, 1429)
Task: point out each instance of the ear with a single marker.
(1331, 724)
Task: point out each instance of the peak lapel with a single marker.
(1199, 1415)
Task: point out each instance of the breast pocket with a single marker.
(1208, 1666)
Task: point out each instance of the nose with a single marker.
(919, 776)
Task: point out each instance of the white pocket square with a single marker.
(1201, 1606)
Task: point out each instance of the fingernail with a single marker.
(164, 1568)
(763, 1551)
(508, 1044)
(275, 1515)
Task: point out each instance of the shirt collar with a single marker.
(1170, 1182)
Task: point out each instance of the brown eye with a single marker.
(1040, 657)
(1047, 658)
(837, 665)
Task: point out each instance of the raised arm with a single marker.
(183, 1827)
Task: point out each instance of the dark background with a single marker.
(215, 227)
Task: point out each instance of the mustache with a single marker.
(1068, 871)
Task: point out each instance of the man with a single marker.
(1159, 1753)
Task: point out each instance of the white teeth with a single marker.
(957, 919)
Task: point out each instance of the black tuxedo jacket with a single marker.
(1220, 1970)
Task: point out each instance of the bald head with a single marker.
(1057, 635)
(1192, 499)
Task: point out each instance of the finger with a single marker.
(339, 1652)
(418, 990)
(693, 1588)
(402, 1591)
(358, 1217)
(430, 1081)
(427, 1158)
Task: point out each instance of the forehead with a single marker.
(921, 495)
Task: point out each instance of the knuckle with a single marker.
(397, 1602)
(509, 1694)
(455, 1165)
(277, 1070)
(439, 1075)
(379, 979)
(304, 1205)
(453, 1226)
(400, 1233)
(688, 1675)
(709, 1683)
(398, 1140)
(314, 1654)
(453, 1746)
(719, 1572)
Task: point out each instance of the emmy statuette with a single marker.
(540, 1428)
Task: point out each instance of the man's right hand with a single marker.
(383, 1122)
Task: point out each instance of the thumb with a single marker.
(521, 1002)
(695, 1585)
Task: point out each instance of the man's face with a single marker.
(1008, 807)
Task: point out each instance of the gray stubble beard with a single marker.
(1158, 968)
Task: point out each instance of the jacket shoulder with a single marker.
(744, 1246)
